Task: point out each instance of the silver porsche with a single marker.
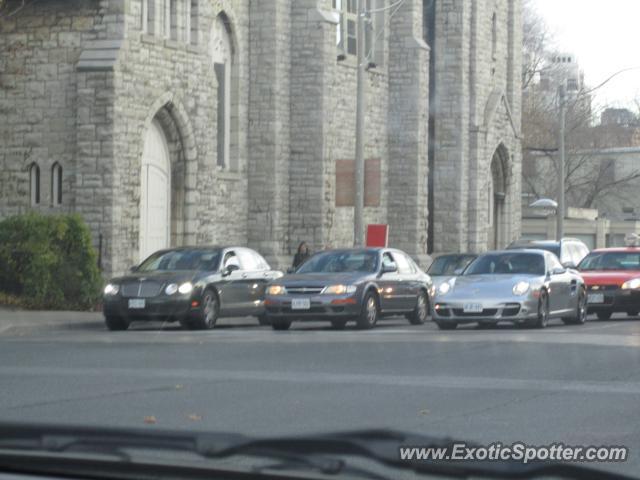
(525, 287)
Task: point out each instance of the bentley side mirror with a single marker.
(229, 269)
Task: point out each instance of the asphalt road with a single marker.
(579, 385)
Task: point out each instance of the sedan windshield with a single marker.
(203, 260)
(507, 263)
(342, 262)
(610, 261)
(448, 264)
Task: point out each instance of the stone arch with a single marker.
(168, 113)
(498, 194)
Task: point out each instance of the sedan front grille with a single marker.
(141, 289)
(304, 290)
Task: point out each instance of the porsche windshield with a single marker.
(342, 262)
(204, 260)
(448, 264)
(507, 263)
(610, 261)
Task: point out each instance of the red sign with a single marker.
(377, 235)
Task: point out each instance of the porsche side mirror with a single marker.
(557, 271)
(569, 264)
(458, 271)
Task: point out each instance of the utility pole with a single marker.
(561, 209)
(358, 212)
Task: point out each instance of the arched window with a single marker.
(56, 184)
(222, 56)
(34, 183)
(494, 35)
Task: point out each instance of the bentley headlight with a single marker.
(444, 288)
(339, 290)
(632, 284)
(111, 289)
(171, 289)
(276, 290)
(521, 288)
(185, 288)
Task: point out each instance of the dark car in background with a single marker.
(570, 251)
(191, 285)
(448, 265)
(351, 284)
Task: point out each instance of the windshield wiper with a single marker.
(293, 452)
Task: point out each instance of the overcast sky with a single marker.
(605, 37)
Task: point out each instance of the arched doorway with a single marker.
(155, 192)
(496, 198)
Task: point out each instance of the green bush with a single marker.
(48, 261)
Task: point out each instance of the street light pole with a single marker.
(358, 213)
(561, 168)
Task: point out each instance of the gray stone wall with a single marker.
(477, 110)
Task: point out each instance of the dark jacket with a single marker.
(299, 258)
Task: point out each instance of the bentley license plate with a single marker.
(472, 308)
(136, 303)
(300, 304)
(595, 298)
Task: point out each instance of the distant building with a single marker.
(618, 116)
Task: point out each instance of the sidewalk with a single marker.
(18, 321)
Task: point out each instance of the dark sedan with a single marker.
(354, 284)
(192, 285)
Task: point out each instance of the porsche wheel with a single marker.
(542, 318)
(580, 316)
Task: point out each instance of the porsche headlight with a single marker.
(632, 284)
(185, 288)
(521, 288)
(339, 290)
(276, 290)
(171, 289)
(111, 289)
(444, 288)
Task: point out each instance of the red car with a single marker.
(612, 276)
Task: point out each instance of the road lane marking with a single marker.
(346, 379)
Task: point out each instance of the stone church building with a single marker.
(172, 122)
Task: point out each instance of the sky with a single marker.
(604, 35)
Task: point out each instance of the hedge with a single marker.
(48, 262)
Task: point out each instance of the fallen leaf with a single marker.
(150, 419)
(195, 417)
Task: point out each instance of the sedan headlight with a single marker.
(111, 289)
(339, 290)
(276, 290)
(185, 288)
(444, 288)
(521, 288)
(171, 289)
(632, 284)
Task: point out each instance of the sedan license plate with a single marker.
(472, 308)
(137, 303)
(300, 304)
(595, 298)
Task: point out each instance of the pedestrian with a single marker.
(302, 255)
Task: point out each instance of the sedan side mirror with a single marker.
(133, 269)
(557, 271)
(291, 270)
(388, 268)
(229, 269)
